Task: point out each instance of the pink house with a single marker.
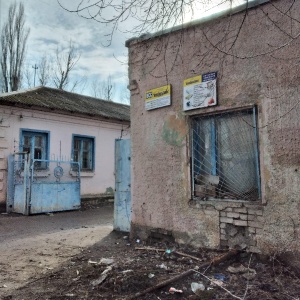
(52, 124)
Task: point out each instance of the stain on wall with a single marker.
(174, 130)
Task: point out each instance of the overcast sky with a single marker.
(53, 27)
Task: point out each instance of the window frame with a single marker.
(82, 138)
(212, 114)
(45, 134)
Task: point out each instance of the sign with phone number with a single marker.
(158, 97)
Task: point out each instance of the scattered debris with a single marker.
(214, 261)
(172, 290)
(219, 277)
(107, 261)
(93, 262)
(239, 269)
(197, 286)
(247, 273)
(168, 251)
(217, 282)
(102, 277)
(162, 266)
(127, 271)
(132, 275)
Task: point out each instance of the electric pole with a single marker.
(35, 68)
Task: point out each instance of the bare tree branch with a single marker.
(65, 61)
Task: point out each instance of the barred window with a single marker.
(225, 158)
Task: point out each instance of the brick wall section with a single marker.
(240, 223)
(246, 221)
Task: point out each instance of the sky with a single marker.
(52, 27)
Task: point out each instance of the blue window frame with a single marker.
(83, 151)
(225, 157)
(35, 142)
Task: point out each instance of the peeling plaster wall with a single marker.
(161, 185)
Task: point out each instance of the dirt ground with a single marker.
(68, 271)
(33, 246)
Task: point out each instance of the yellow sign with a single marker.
(192, 80)
(158, 97)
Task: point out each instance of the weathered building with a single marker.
(215, 129)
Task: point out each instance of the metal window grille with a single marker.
(225, 160)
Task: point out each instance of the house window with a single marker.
(36, 143)
(83, 152)
(225, 160)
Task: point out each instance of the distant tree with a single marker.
(125, 96)
(14, 37)
(27, 78)
(103, 89)
(64, 63)
(44, 70)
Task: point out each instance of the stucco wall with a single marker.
(161, 184)
(61, 128)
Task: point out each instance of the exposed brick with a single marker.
(1, 175)
(240, 223)
(233, 215)
(251, 217)
(253, 243)
(255, 212)
(243, 217)
(223, 214)
(222, 231)
(228, 209)
(226, 220)
(222, 225)
(260, 219)
(1, 186)
(223, 237)
(255, 224)
(240, 210)
(251, 230)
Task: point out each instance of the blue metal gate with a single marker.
(122, 208)
(40, 186)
